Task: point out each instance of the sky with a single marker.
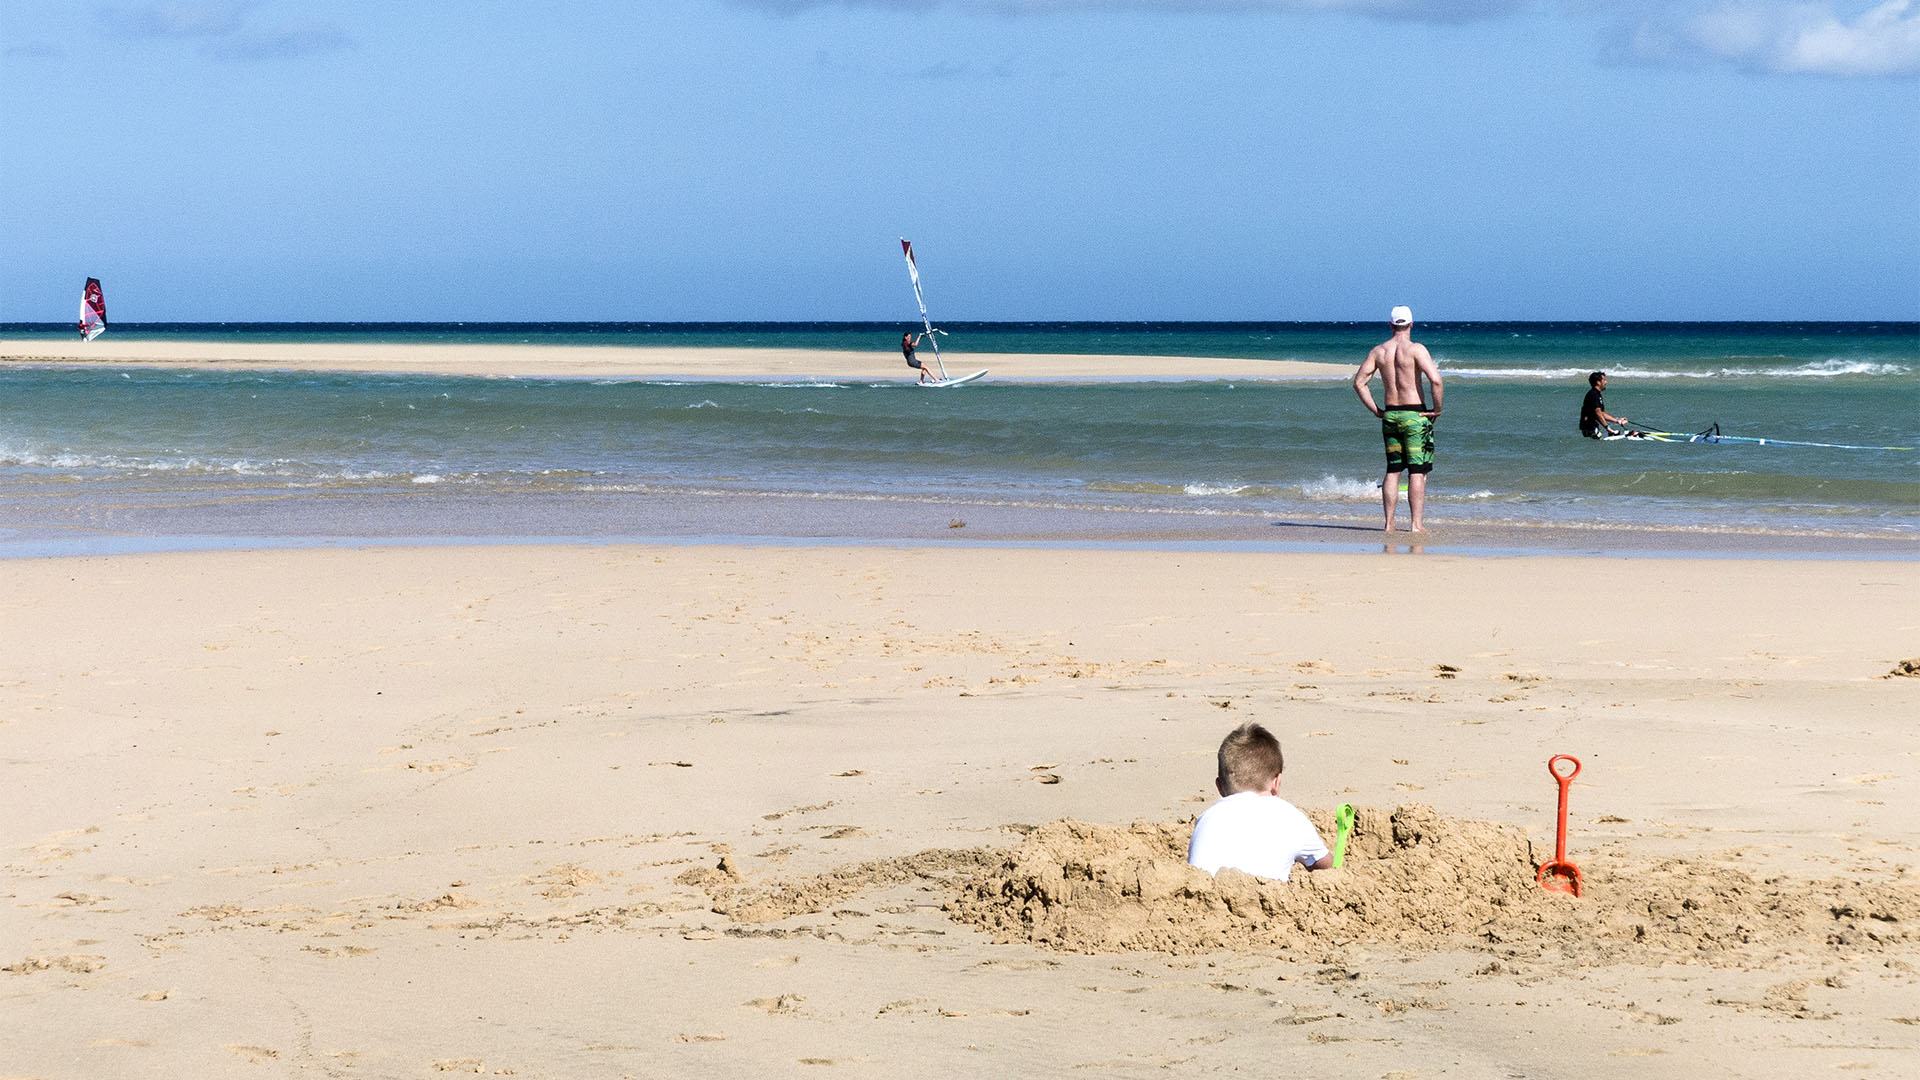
(677, 160)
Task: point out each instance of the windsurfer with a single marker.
(910, 341)
(93, 310)
(1595, 420)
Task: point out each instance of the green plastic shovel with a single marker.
(1343, 821)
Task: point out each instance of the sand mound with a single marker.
(1413, 879)
(1416, 879)
(780, 900)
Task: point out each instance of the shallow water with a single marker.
(102, 443)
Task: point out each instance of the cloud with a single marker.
(285, 43)
(1439, 11)
(176, 20)
(1778, 37)
(1785, 39)
(33, 50)
(227, 30)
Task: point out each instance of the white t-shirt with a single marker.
(1263, 835)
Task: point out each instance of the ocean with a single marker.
(114, 459)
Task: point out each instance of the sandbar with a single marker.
(634, 362)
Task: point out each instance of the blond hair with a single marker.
(1249, 759)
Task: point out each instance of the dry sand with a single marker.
(650, 362)
(663, 811)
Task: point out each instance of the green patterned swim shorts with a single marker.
(1409, 440)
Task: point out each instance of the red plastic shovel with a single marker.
(1560, 875)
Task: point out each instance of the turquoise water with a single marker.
(171, 452)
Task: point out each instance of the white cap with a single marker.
(1402, 316)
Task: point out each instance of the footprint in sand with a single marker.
(778, 814)
(76, 963)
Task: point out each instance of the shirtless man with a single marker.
(1406, 422)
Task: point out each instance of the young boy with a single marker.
(1252, 828)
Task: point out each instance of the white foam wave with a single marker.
(1816, 369)
(1340, 489)
(427, 478)
(1203, 488)
(276, 469)
(1826, 368)
(704, 405)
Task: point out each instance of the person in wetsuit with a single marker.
(910, 341)
(1595, 420)
(1406, 423)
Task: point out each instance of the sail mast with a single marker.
(913, 272)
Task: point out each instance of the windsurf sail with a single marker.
(93, 311)
(1714, 435)
(913, 274)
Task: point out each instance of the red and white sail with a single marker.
(93, 310)
(913, 273)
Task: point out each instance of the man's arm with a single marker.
(1607, 419)
(1425, 365)
(1324, 862)
(1362, 380)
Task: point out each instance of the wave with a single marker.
(1326, 489)
(1339, 489)
(296, 473)
(1204, 488)
(1816, 369)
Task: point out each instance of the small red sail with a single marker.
(93, 311)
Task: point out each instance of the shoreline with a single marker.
(827, 520)
(639, 362)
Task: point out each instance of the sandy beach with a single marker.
(725, 811)
(634, 362)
